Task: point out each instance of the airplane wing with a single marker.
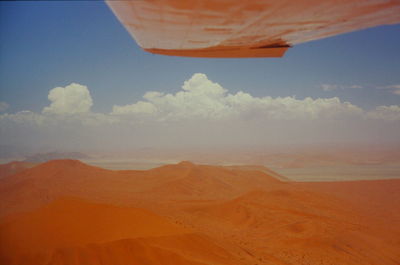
(245, 28)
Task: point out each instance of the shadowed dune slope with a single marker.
(71, 221)
(73, 231)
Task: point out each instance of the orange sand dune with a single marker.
(292, 226)
(194, 214)
(14, 167)
(210, 182)
(73, 231)
(50, 180)
(378, 198)
(261, 169)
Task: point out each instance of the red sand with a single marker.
(14, 167)
(66, 212)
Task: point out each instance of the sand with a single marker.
(67, 212)
(14, 167)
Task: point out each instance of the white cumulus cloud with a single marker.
(137, 108)
(202, 98)
(201, 113)
(72, 99)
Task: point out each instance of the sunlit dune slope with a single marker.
(73, 231)
(378, 198)
(209, 182)
(292, 226)
(14, 167)
(261, 169)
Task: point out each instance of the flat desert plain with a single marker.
(67, 212)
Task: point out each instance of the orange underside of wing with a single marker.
(252, 28)
(239, 52)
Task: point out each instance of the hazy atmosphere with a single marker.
(79, 82)
(273, 140)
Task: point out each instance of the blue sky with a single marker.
(49, 44)
(80, 56)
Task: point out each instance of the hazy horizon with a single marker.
(81, 83)
(292, 160)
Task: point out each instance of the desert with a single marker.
(68, 212)
(200, 132)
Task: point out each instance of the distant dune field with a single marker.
(304, 173)
(341, 172)
(68, 212)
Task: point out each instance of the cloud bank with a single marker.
(201, 113)
(388, 113)
(200, 98)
